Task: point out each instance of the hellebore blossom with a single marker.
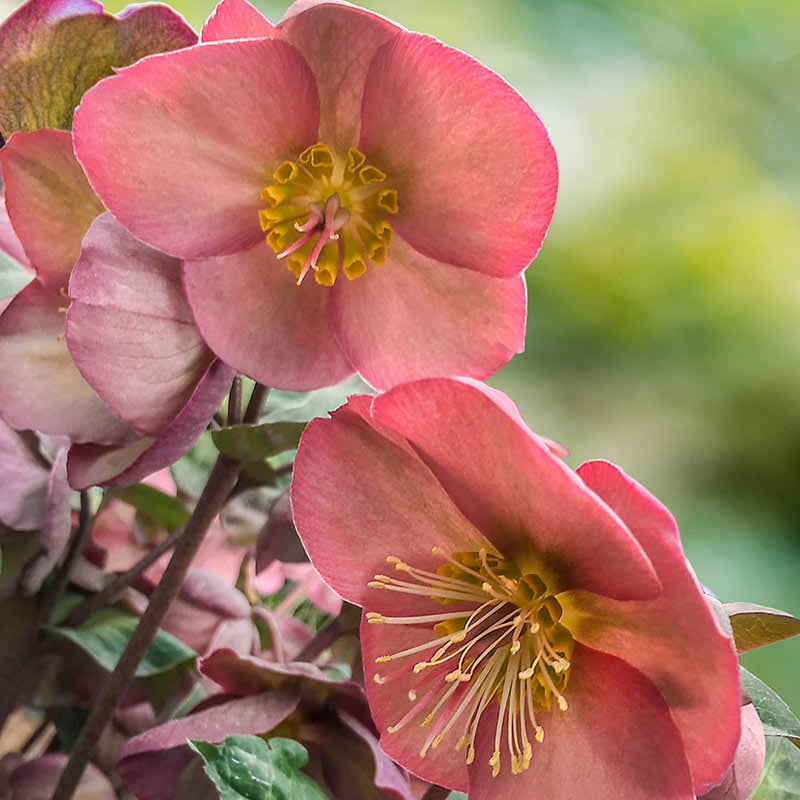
(528, 630)
(398, 179)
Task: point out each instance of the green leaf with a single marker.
(153, 503)
(304, 406)
(775, 715)
(780, 778)
(755, 626)
(13, 276)
(191, 471)
(248, 768)
(51, 53)
(257, 442)
(105, 635)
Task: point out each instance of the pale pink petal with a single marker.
(473, 323)
(129, 329)
(23, 476)
(253, 315)
(389, 702)
(616, 740)
(180, 145)
(666, 638)
(512, 488)
(235, 19)
(49, 201)
(33, 354)
(357, 498)
(95, 465)
(743, 774)
(474, 169)
(9, 241)
(338, 41)
(36, 780)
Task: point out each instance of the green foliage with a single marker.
(775, 715)
(257, 442)
(155, 504)
(248, 768)
(755, 626)
(105, 635)
(780, 778)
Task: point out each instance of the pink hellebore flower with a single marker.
(529, 630)
(412, 182)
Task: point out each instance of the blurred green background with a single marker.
(664, 312)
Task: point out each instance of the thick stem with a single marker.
(220, 483)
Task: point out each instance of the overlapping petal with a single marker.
(474, 193)
(129, 329)
(472, 323)
(509, 485)
(254, 316)
(235, 19)
(187, 174)
(691, 661)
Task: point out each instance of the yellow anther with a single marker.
(378, 679)
(382, 659)
(393, 728)
(526, 673)
(374, 616)
(455, 675)
(383, 578)
(401, 566)
(370, 174)
(562, 704)
(494, 763)
(392, 559)
(376, 585)
(419, 666)
(462, 742)
(458, 637)
(515, 646)
(387, 201)
(412, 695)
(355, 159)
(539, 735)
(286, 172)
(427, 721)
(470, 754)
(437, 740)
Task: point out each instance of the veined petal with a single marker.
(338, 41)
(33, 354)
(473, 323)
(471, 161)
(253, 315)
(616, 740)
(129, 329)
(358, 497)
(674, 639)
(235, 19)
(506, 481)
(179, 146)
(49, 201)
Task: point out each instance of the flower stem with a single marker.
(221, 481)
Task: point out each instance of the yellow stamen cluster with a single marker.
(328, 213)
(506, 644)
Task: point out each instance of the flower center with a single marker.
(505, 643)
(327, 213)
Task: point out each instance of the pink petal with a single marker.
(357, 498)
(338, 41)
(616, 740)
(94, 465)
(129, 329)
(474, 169)
(666, 638)
(180, 145)
(24, 479)
(32, 349)
(235, 19)
(509, 485)
(743, 774)
(36, 779)
(49, 201)
(9, 241)
(473, 323)
(255, 318)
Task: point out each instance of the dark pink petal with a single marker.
(129, 329)
(49, 201)
(235, 19)
(338, 41)
(95, 465)
(743, 774)
(616, 740)
(357, 498)
(180, 145)
(389, 702)
(36, 780)
(473, 323)
(255, 318)
(23, 477)
(512, 488)
(474, 169)
(33, 354)
(152, 762)
(674, 640)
